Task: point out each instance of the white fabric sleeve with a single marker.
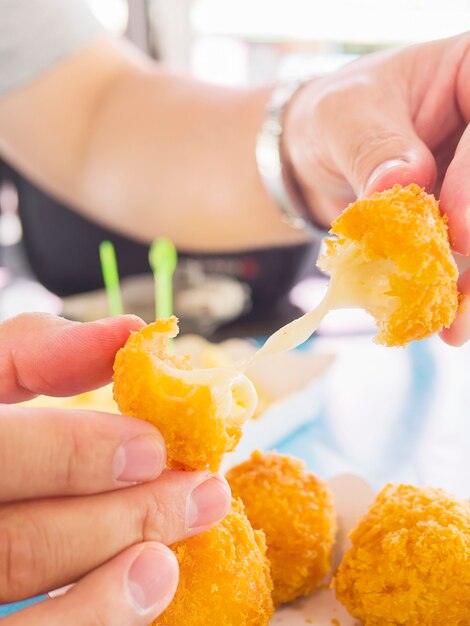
(36, 34)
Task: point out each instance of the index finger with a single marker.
(50, 452)
(44, 354)
(459, 332)
(455, 192)
(455, 196)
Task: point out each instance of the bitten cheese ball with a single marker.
(224, 577)
(295, 511)
(200, 413)
(409, 564)
(392, 258)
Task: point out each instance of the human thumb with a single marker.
(382, 154)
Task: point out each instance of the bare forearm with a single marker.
(183, 163)
(146, 152)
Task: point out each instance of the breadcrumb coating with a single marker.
(295, 511)
(224, 577)
(200, 422)
(409, 564)
(393, 249)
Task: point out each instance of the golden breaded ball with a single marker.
(393, 258)
(224, 577)
(199, 412)
(295, 511)
(409, 564)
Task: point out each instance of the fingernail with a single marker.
(138, 459)
(382, 169)
(61, 592)
(152, 578)
(208, 503)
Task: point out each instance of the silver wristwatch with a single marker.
(275, 174)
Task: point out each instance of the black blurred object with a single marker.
(62, 249)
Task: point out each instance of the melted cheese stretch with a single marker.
(353, 284)
(348, 287)
(293, 334)
(234, 392)
(363, 273)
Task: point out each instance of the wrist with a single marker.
(299, 150)
(276, 166)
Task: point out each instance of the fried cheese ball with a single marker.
(392, 257)
(295, 511)
(409, 564)
(199, 412)
(224, 577)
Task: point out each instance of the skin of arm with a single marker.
(146, 152)
(150, 153)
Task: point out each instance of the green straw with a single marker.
(163, 259)
(111, 277)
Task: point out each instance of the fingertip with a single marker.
(93, 347)
(455, 203)
(140, 459)
(133, 322)
(455, 196)
(115, 329)
(152, 579)
(208, 503)
(459, 333)
(449, 337)
(418, 167)
(458, 238)
(133, 588)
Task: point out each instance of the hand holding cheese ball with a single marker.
(200, 413)
(393, 117)
(392, 258)
(83, 494)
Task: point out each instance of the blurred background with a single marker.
(387, 414)
(230, 42)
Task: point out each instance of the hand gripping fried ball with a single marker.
(409, 564)
(224, 577)
(392, 257)
(295, 511)
(199, 412)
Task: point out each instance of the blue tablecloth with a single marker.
(389, 415)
